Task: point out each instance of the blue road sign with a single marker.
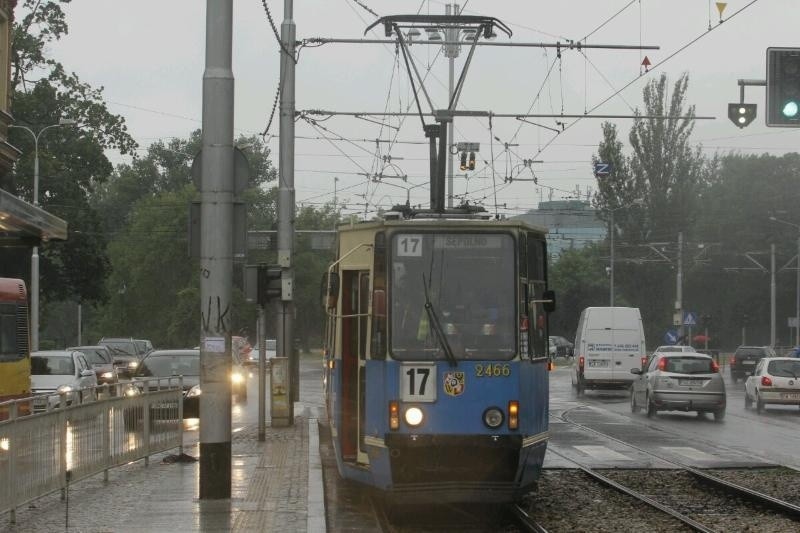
(603, 169)
(689, 318)
(671, 337)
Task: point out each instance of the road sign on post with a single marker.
(689, 318)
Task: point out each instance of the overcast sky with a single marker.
(149, 56)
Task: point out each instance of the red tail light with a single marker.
(733, 360)
(766, 381)
(644, 360)
(581, 362)
(662, 363)
(714, 367)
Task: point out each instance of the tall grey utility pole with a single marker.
(679, 291)
(772, 314)
(286, 207)
(451, 51)
(216, 254)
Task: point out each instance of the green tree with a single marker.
(580, 280)
(668, 176)
(72, 160)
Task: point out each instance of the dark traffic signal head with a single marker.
(472, 160)
(742, 114)
(463, 165)
(783, 87)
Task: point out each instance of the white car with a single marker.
(56, 372)
(775, 380)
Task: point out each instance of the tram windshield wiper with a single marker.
(433, 320)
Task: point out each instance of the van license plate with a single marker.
(689, 382)
(748, 362)
(598, 363)
(790, 396)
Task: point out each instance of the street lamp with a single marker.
(35, 253)
(611, 232)
(797, 295)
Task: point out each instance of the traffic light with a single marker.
(463, 165)
(783, 87)
(269, 283)
(472, 160)
(742, 114)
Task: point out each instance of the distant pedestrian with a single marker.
(795, 352)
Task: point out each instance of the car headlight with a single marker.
(64, 389)
(237, 378)
(132, 390)
(194, 391)
(133, 364)
(413, 416)
(107, 375)
(493, 417)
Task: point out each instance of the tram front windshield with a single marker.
(468, 281)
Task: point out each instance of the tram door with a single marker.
(355, 302)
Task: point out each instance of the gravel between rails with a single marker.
(783, 483)
(570, 501)
(717, 510)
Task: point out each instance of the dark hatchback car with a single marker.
(173, 363)
(102, 362)
(744, 361)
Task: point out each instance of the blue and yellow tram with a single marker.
(436, 357)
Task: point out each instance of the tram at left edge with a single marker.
(15, 360)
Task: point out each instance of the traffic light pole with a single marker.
(216, 254)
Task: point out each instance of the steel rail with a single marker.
(526, 521)
(696, 526)
(777, 504)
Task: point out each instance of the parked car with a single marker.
(775, 380)
(143, 346)
(173, 363)
(102, 362)
(56, 372)
(121, 345)
(560, 347)
(744, 360)
(679, 381)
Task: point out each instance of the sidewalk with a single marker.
(276, 486)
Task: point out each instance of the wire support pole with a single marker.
(216, 254)
(286, 202)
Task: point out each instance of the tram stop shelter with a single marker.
(24, 224)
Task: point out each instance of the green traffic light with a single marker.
(790, 109)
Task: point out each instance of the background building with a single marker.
(572, 224)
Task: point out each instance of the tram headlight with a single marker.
(493, 417)
(414, 416)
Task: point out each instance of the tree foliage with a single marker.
(71, 159)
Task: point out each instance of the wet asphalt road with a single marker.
(773, 436)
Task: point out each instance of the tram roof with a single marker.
(442, 223)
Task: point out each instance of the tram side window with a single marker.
(8, 333)
(536, 287)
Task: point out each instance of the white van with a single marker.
(608, 344)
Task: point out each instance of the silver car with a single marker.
(679, 381)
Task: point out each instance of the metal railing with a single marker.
(49, 440)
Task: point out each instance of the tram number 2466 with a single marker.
(418, 382)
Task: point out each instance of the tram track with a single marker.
(698, 499)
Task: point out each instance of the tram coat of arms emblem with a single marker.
(454, 383)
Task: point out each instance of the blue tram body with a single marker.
(454, 408)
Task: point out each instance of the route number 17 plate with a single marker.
(418, 382)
